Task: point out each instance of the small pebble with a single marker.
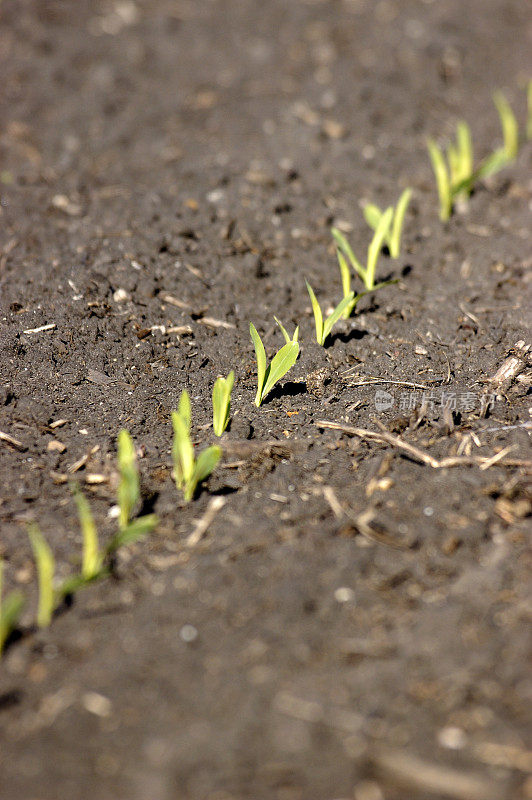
(344, 594)
(96, 704)
(188, 633)
(452, 738)
(120, 296)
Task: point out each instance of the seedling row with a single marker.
(456, 177)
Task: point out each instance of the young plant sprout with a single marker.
(92, 559)
(453, 177)
(221, 402)
(189, 471)
(456, 177)
(269, 374)
(49, 597)
(324, 327)
(45, 570)
(367, 273)
(10, 610)
(510, 128)
(373, 215)
(129, 486)
(129, 530)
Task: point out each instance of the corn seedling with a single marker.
(373, 215)
(129, 486)
(325, 326)
(346, 286)
(367, 273)
(189, 471)
(10, 610)
(129, 530)
(45, 570)
(510, 128)
(269, 374)
(455, 177)
(92, 558)
(221, 402)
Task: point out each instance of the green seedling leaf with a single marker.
(344, 272)
(460, 160)
(318, 316)
(372, 215)
(184, 408)
(281, 363)
(91, 563)
(260, 354)
(285, 332)
(45, 569)
(323, 328)
(465, 152)
(129, 486)
(187, 471)
(137, 529)
(346, 276)
(10, 610)
(182, 450)
(442, 179)
(394, 238)
(207, 461)
(376, 246)
(343, 307)
(491, 165)
(344, 246)
(510, 128)
(221, 403)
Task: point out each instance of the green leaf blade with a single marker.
(221, 403)
(91, 563)
(510, 128)
(184, 408)
(442, 179)
(45, 570)
(129, 486)
(283, 330)
(318, 316)
(345, 273)
(345, 247)
(398, 220)
(9, 615)
(260, 355)
(333, 318)
(137, 529)
(206, 463)
(375, 246)
(182, 450)
(281, 363)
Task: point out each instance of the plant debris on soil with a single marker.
(342, 611)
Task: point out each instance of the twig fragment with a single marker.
(201, 525)
(423, 457)
(9, 440)
(416, 775)
(42, 328)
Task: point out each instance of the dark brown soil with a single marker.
(353, 623)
